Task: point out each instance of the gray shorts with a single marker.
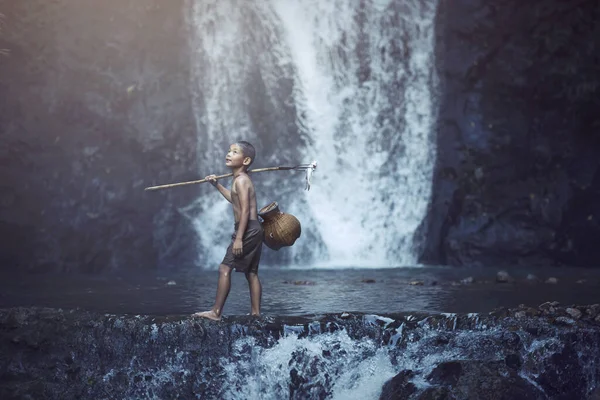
(251, 248)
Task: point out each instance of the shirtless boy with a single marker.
(243, 254)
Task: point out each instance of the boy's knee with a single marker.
(251, 276)
(224, 269)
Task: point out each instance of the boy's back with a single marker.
(243, 194)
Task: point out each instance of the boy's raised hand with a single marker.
(212, 179)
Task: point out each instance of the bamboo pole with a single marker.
(171, 185)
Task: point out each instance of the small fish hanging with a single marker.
(309, 173)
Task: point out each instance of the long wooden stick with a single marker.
(302, 166)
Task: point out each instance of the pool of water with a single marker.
(310, 291)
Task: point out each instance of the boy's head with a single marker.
(247, 150)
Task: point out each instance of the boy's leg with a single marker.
(223, 287)
(255, 292)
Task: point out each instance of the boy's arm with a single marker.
(243, 190)
(224, 191)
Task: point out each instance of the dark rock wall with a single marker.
(94, 107)
(518, 174)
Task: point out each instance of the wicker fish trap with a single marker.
(281, 229)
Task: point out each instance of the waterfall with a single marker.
(348, 83)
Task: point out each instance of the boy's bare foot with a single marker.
(207, 314)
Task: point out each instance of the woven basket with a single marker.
(281, 229)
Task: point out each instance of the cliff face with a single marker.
(95, 106)
(537, 353)
(517, 178)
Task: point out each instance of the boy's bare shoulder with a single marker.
(244, 180)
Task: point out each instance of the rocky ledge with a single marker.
(546, 352)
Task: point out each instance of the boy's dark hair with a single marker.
(248, 150)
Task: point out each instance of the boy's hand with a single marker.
(212, 179)
(238, 247)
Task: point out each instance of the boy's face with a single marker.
(235, 157)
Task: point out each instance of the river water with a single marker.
(295, 292)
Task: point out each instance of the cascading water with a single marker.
(521, 353)
(272, 373)
(348, 83)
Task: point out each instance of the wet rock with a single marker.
(530, 311)
(399, 387)
(532, 278)
(500, 312)
(581, 281)
(549, 304)
(593, 310)
(504, 277)
(510, 340)
(447, 373)
(552, 281)
(171, 283)
(468, 280)
(416, 283)
(563, 374)
(297, 381)
(574, 313)
(301, 283)
(368, 280)
(513, 361)
(479, 380)
(564, 321)
(520, 314)
(436, 393)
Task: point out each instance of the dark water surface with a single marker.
(305, 291)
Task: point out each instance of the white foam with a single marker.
(265, 372)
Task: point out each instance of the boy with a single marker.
(243, 254)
